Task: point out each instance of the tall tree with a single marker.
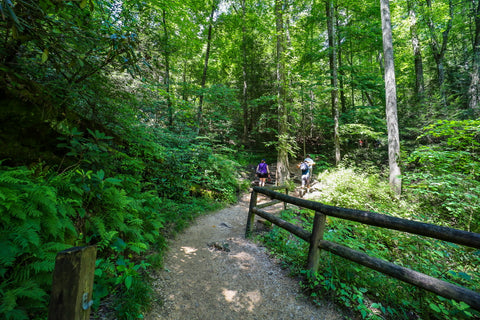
(343, 102)
(282, 172)
(474, 90)
(205, 68)
(417, 52)
(166, 78)
(439, 48)
(244, 73)
(334, 78)
(391, 99)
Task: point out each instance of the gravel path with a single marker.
(212, 272)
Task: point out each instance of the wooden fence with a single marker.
(315, 238)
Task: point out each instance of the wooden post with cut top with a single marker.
(317, 236)
(251, 215)
(72, 286)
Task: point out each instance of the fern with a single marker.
(26, 234)
(30, 222)
(27, 294)
(109, 198)
(7, 256)
(137, 247)
(107, 239)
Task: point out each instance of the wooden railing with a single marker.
(315, 238)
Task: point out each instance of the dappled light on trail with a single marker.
(244, 259)
(248, 300)
(215, 273)
(189, 250)
(229, 294)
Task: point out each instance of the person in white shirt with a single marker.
(310, 164)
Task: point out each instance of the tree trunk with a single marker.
(166, 79)
(184, 80)
(417, 53)
(204, 74)
(343, 100)
(333, 74)
(303, 121)
(282, 173)
(474, 90)
(391, 100)
(440, 49)
(244, 76)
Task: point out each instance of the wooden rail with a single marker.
(315, 238)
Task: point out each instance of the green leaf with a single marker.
(44, 55)
(100, 174)
(114, 181)
(465, 276)
(463, 306)
(128, 281)
(434, 307)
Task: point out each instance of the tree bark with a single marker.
(439, 49)
(244, 76)
(417, 54)
(166, 79)
(391, 100)
(474, 90)
(204, 74)
(343, 100)
(282, 173)
(334, 78)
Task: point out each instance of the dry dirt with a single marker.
(202, 280)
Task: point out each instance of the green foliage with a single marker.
(124, 204)
(353, 188)
(125, 277)
(119, 83)
(285, 245)
(374, 295)
(445, 173)
(363, 122)
(222, 108)
(35, 223)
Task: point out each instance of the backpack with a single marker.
(262, 168)
(303, 166)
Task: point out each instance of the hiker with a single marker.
(309, 161)
(303, 166)
(263, 172)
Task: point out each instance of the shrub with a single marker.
(374, 295)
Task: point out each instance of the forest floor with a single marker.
(212, 272)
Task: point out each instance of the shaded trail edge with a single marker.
(212, 272)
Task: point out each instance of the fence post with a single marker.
(72, 286)
(251, 215)
(317, 235)
(284, 202)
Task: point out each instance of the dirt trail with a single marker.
(203, 280)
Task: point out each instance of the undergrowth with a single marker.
(124, 200)
(370, 294)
